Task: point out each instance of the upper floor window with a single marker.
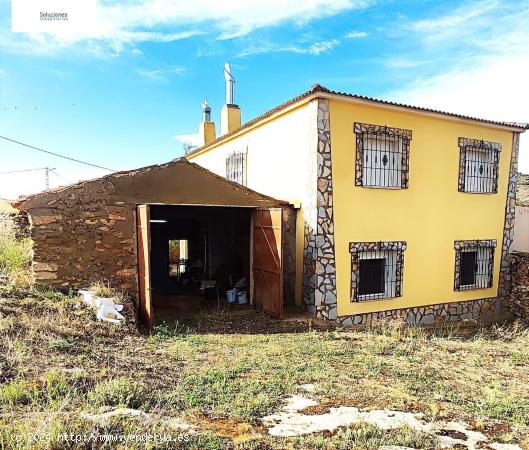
(382, 156)
(478, 166)
(236, 167)
(376, 270)
(474, 264)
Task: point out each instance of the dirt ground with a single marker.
(222, 372)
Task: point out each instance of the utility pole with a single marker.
(47, 171)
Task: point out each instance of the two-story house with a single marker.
(403, 212)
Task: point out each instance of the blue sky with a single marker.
(119, 95)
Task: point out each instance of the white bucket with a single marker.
(242, 297)
(231, 295)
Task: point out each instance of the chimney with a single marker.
(230, 118)
(206, 129)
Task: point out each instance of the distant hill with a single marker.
(522, 190)
(5, 206)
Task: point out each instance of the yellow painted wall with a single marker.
(429, 215)
(277, 159)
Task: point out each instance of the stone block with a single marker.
(45, 220)
(45, 267)
(41, 276)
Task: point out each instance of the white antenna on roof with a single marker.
(230, 85)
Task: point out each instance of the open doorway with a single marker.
(194, 258)
(197, 255)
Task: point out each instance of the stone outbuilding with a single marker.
(156, 231)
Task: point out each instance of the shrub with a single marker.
(208, 390)
(118, 392)
(57, 388)
(103, 289)
(45, 293)
(15, 258)
(16, 392)
(364, 436)
(231, 393)
(67, 344)
(496, 404)
(168, 331)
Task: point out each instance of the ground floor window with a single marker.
(376, 269)
(474, 265)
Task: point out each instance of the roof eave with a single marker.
(512, 126)
(318, 91)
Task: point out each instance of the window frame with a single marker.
(364, 132)
(377, 250)
(476, 145)
(484, 280)
(232, 160)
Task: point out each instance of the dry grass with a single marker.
(15, 256)
(6, 207)
(56, 362)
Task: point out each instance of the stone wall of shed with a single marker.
(15, 224)
(88, 234)
(87, 231)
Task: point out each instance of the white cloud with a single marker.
(459, 16)
(479, 25)
(398, 62)
(191, 140)
(160, 74)
(322, 47)
(117, 25)
(102, 43)
(487, 78)
(356, 35)
(493, 89)
(316, 48)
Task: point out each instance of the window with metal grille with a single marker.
(372, 276)
(382, 156)
(474, 268)
(236, 167)
(469, 267)
(478, 166)
(376, 270)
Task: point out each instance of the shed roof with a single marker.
(175, 182)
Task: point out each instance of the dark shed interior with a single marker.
(197, 254)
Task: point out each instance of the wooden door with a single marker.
(267, 267)
(144, 263)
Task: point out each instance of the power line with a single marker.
(60, 176)
(23, 170)
(47, 171)
(56, 154)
